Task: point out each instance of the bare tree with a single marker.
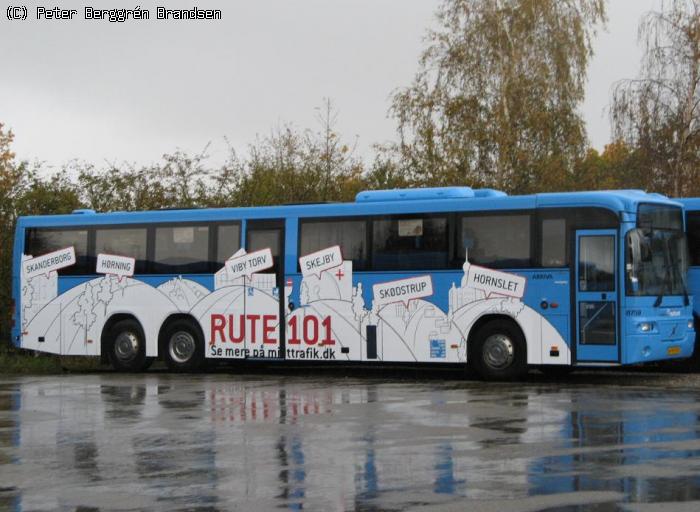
(658, 113)
(336, 156)
(495, 101)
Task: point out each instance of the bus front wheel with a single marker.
(183, 348)
(499, 351)
(127, 347)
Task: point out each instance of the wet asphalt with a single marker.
(332, 441)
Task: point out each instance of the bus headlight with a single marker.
(645, 326)
(691, 325)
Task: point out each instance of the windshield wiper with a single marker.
(667, 279)
(666, 282)
(681, 279)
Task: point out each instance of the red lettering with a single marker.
(253, 319)
(294, 335)
(269, 329)
(218, 322)
(310, 330)
(328, 338)
(241, 329)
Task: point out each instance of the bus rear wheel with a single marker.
(499, 351)
(126, 347)
(183, 348)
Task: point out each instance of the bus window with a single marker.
(596, 264)
(693, 231)
(181, 250)
(415, 243)
(350, 235)
(553, 242)
(228, 241)
(497, 241)
(129, 242)
(259, 238)
(42, 241)
(264, 239)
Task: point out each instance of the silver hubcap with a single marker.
(181, 347)
(498, 351)
(126, 346)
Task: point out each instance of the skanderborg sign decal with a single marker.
(49, 262)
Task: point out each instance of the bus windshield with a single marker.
(657, 254)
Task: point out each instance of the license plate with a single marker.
(672, 351)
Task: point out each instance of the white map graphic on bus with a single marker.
(185, 293)
(327, 318)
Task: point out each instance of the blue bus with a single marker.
(692, 224)
(449, 275)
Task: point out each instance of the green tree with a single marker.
(617, 167)
(11, 178)
(658, 113)
(495, 100)
(292, 165)
(179, 181)
(386, 172)
(46, 195)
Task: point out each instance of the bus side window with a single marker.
(129, 242)
(553, 239)
(181, 249)
(410, 243)
(350, 235)
(40, 241)
(228, 242)
(693, 229)
(497, 241)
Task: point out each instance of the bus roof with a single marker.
(690, 203)
(378, 202)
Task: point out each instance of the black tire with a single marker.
(557, 371)
(126, 347)
(499, 351)
(183, 346)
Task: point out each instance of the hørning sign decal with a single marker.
(111, 264)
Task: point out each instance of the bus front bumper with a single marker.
(644, 348)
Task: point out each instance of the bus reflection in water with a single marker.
(181, 445)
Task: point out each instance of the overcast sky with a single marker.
(132, 91)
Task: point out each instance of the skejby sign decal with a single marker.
(114, 265)
(403, 290)
(495, 282)
(49, 262)
(250, 263)
(317, 262)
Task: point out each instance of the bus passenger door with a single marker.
(596, 296)
(264, 293)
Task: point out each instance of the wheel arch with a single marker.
(111, 322)
(169, 320)
(485, 319)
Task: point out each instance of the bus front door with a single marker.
(264, 292)
(596, 296)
